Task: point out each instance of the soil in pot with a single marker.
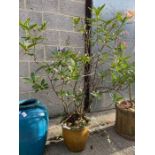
(126, 105)
(125, 119)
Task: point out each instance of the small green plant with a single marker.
(32, 36)
(122, 74)
(107, 49)
(64, 73)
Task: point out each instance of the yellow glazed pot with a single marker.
(75, 139)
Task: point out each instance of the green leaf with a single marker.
(116, 97)
(23, 25)
(33, 26)
(98, 10)
(76, 20)
(125, 19)
(27, 21)
(96, 94)
(26, 38)
(109, 22)
(119, 16)
(22, 45)
(33, 76)
(30, 54)
(28, 80)
(32, 45)
(43, 26)
(42, 81)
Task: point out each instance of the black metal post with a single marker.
(87, 66)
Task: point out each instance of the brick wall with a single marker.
(60, 31)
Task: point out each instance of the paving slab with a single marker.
(103, 139)
(104, 142)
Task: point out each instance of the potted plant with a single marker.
(123, 75)
(64, 78)
(110, 68)
(65, 71)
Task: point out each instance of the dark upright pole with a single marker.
(87, 66)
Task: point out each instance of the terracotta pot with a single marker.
(75, 139)
(125, 122)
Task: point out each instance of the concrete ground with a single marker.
(103, 139)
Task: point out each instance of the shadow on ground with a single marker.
(105, 142)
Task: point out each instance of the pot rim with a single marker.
(132, 110)
(64, 126)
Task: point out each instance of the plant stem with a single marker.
(53, 88)
(129, 90)
(34, 56)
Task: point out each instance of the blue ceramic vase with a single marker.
(33, 127)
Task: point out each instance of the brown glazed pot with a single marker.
(125, 122)
(75, 139)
